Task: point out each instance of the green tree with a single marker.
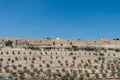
(118, 73)
(64, 77)
(47, 65)
(8, 43)
(48, 38)
(81, 77)
(113, 72)
(97, 75)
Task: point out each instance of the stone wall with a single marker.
(61, 42)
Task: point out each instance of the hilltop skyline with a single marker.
(62, 18)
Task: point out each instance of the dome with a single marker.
(58, 38)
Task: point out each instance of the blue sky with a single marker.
(68, 19)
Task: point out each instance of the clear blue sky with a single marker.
(68, 19)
